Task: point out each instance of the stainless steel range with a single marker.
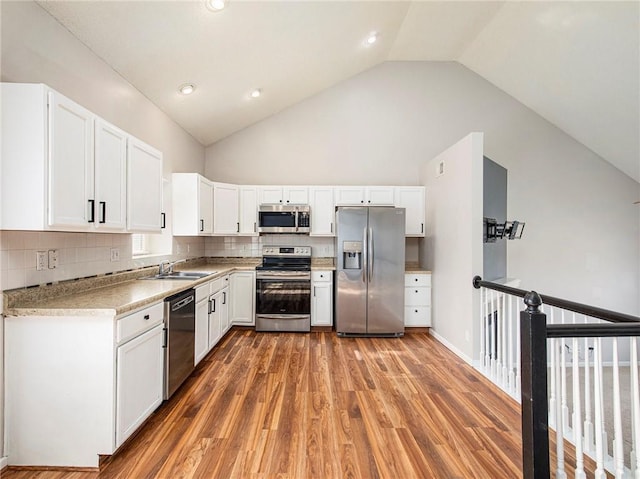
(283, 289)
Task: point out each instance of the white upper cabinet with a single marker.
(293, 195)
(225, 209)
(248, 210)
(110, 177)
(412, 198)
(192, 200)
(364, 195)
(65, 169)
(322, 210)
(144, 187)
(71, 169)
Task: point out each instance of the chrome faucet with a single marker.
(166, 267)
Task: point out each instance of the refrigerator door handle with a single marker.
(371, 254)
(365, 255)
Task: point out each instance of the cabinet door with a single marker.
(224, 311)
(322, 304)
(248, 210)
(110, 176)
(242, 298)
(202, 330)
(295, 195)
(215, 319)
(270, 194)
(225, 209)
(71, 193)
(379, 195)
(322, 211)
(349, 195)
(140, 365)
(144, 187)
(205, 206)
(412, 199)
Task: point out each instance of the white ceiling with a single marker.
(574, 63)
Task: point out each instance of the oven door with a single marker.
(283, 301)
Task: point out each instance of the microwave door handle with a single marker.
(296, 218)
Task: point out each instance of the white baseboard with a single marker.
(3, 463)
(451, 347)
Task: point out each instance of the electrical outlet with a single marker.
(41, 260)
(53, 258)
(115, 254)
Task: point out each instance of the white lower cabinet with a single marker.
(322, 298)
(218, 310)
(417, 300)
(140, 366)
(242, 298)
(77, 386)
(202, 323)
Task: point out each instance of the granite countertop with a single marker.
(112, 295)
(120, 293)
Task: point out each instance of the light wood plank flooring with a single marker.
(314, 405)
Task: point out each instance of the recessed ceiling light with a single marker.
(215, 5)
(256, 93)
(187, 89)
(371, 39)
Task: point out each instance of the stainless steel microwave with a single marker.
(284, 219)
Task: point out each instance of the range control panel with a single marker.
(286, 251)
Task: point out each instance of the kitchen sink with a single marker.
(180, 275)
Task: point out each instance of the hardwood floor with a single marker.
(314, 405)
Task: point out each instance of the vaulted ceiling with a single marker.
(574, 63)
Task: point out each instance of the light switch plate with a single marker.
(115, 254)
(53, 258)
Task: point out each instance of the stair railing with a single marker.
(540, 360)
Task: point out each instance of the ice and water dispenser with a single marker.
(352, 254)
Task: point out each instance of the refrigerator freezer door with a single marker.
(351, 287)
(386, 252)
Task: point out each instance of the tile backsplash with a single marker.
(87, 254)
(244, 246)
(79, 255)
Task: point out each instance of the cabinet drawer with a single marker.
(417, 316)
(202, 292)
(321, 276)
(218, 284)
(415, 279)
(132, 325)
(417, 296)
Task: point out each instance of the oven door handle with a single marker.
(284, 277)
(283, 316)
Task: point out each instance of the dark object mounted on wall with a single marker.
(494, 231)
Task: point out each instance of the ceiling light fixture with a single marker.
(187, 89)
(371, 39)
(215, 5)
(256, 93)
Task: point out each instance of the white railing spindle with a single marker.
(618, 453)
(577, 413)
(552, 390)
(560, 472)
(588, 425)
(635, 406)
(563, 377)
(599, 473)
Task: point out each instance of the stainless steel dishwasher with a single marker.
(180, 326)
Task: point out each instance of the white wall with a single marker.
(380, 127)
(452, 248)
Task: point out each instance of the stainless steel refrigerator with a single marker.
(370, 243)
